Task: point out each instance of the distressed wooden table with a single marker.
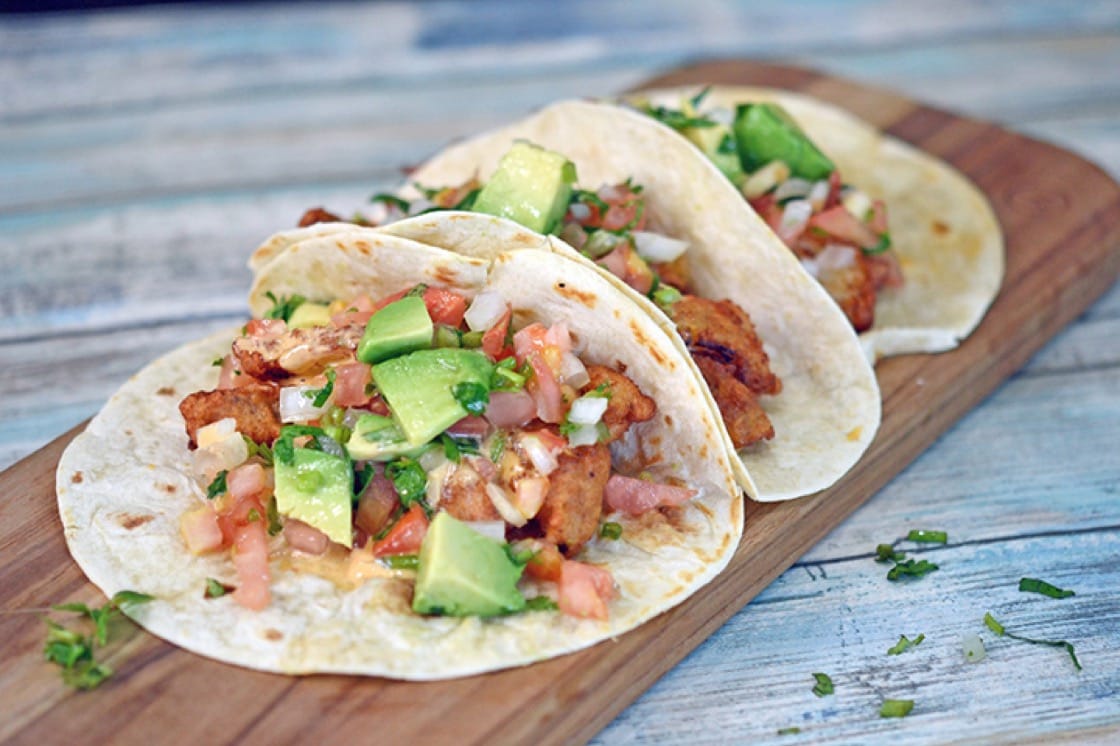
(143, 152)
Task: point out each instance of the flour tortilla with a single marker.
(124, 483)
(829, 407)
(943, 229)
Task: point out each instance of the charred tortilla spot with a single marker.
(855, 433)
(363, 247)
(587, 299)
(940, 228)
(76, 478)
(273, 635)
(165, 391)
(668, 420)
(169, 488)
(446, 276)
(129, 522)
(645, 342)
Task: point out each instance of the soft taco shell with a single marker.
(943, 229)
(125, 481)
(829, 408)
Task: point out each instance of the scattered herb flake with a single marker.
(402, 561)
(319, 397)
(74, 652)
(472, 396)
(928, 537)
(896, 708)
(218, 486)
(887, 553)
(409, 479)
(1034, 585)
(272, 513)
(284, 306)
(215, 588)
(540, 603)
(991, 623)
(999, 629)
(911, 568)
(905, 644)
(789, 731)
(823, 686)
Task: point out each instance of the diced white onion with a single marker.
(505, 508)
(794, 187)
(654, 247)
(220, 455)
(973, 648)
(296, 404)
(484, 311)
(437, 476)
(856, 202)
(584, 435)
(587, 410)
(580, 211)
(495, 530)
(215, 432)
(542, 457)
(572, 371)
(379, 214)
(721, 115)
(818, 194)
(417, 206)
(836, 256)
(795, 216)
(765, 179)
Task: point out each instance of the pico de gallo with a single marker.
(839, 233)
(417, 436)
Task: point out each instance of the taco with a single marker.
(825, 181)
(798, 398)
(534, 468)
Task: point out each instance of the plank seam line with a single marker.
(137, 326)
(1065, 371)
(931, 548)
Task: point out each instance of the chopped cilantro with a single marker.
(74, 652)
(498, 446)
(896, 708)
(218, 362)
(472, 396)
(823, 686)
(911, 569)
(283, 449)
(319, 397)
(677, 119)
(275, 526)
(409, 479)
(506, 378)
(887, 553)
(611, 530)
(665, 296)
(793, 730)
(215, 588)
(879, 248)
(905, 644)
(999, 629)
(402, 561)
(454, 448)
(540, 603)
(260, 450)
(928, 537)
(391, 200)
(284, 306)
(253, 516)
(218, 485)
(1034, 585)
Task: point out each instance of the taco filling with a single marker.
(420, 436)
(839, 233)
(612, 227)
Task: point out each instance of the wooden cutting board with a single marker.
(1061, 217)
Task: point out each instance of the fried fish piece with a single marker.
(569, 516)
(296, 352)
(626, 404)
(256, 407)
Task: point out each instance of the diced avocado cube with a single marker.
(419, 388)
(316, 488)
(463, 573)
(718, 143)
(766, 132)
(532, 186)
(402, 326)
(310, 314)
(377, 438)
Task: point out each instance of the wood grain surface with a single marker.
(1061, 217)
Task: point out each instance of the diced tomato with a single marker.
(250, 559)
(769, 210)
(878, 220)
(391, 298)
(585, 590)
(238, 513)
(445, 306)
(842, 225)
(885, 270)
(350, 384)
(638, 274)
(511, 408)
(249, 481)
(615, 261)
(625, 209)
(494, 340)
(544, 387)
(834, 185)
(357, 311)
(405, 536)
(546, 561)
(529, 338)
(305, 538)
(200, 530)
(636, 496)
(265, 328)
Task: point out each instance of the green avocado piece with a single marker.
(419, 388)
(463, 573)
(402, 326)
(316, 488)
(310, 314)
(766, 132)
(378, 438)
(718, 143)
(532, 186)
